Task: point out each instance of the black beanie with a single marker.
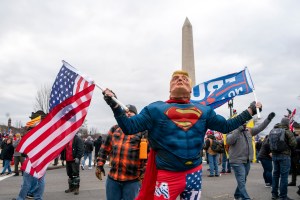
(132, 108)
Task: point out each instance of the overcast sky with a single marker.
(132, 47)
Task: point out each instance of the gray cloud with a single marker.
(132, 47)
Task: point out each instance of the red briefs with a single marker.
(187, 184)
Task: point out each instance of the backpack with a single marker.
(277, 140)
(217, 146)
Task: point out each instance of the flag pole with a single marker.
(87, 78)
(114, 98)
(254, 93)
(257, 110)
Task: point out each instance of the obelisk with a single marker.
(188, 62)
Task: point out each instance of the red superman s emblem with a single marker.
(184, 118)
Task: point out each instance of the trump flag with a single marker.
(34, 122)
(218, 91)
(70, 98)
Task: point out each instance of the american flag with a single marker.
(193, 184)
(69, 101)
(291, 118)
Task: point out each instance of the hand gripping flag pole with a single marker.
(253, 89)
(114, 98)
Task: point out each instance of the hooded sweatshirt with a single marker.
(240, 142)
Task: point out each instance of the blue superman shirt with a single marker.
(176, 130)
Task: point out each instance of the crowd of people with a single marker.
(177, 143)
(226, 160)
(237, 155)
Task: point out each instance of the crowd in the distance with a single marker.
(234, 152)
(238, 149)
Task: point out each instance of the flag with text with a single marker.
(218, 91)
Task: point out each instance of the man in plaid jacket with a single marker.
(127, 169)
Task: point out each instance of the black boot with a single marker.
(76, 191)
(71, 187)
(292, 183)
(76, 183)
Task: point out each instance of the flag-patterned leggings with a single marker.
(187, 184)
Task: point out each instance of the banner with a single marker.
(218, 91)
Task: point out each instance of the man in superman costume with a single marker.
(176, 130)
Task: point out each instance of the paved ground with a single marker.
(216, 188)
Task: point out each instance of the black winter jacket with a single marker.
(265, 151)
(7, 151)
(88, 146)
(97, 145)
(77, 149)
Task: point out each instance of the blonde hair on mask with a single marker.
(181, 72)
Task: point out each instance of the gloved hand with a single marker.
(253, 108)
(109, 100)
(271, 116)
(102, 170)
(99, 171)
(77, 160)
(141, 177)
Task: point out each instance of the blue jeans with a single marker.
(213, 164)
(126, 190)
(241, 171)
(32, 185)
(268, 167)
(6, 165)
(281, 164)
(89, 155)
(225, 163)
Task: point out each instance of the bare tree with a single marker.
(42, 98)
(93, 130)
(18, 124)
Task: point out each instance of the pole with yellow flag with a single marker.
(251, 124)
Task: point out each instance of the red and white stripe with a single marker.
(82, 81)
(45, 142)
(81, 84)
(291, 118)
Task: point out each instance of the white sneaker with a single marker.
(268, 185)
(90, 167)
(82, 167)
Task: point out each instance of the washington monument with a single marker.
(188, 62)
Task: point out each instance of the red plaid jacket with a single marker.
(123, 151)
